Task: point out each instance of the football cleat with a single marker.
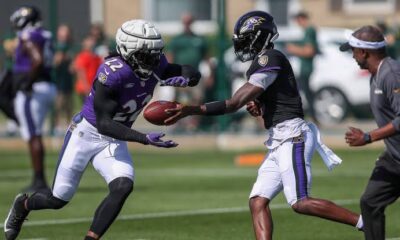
(16, 217)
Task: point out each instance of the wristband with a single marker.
(367, 138)
(215, 108)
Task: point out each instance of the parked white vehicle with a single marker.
(340, 87)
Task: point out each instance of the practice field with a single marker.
(193, 195)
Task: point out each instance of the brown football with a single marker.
(155, 112)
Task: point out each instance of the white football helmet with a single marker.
(140, 44)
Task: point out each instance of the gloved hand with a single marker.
(177, 81)
(155, 140)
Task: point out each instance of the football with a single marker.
(155, 112)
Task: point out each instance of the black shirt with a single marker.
(281, 100)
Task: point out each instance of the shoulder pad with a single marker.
(270, 60)
(111, 71)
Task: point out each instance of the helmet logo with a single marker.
(251, 23)
(25, 11)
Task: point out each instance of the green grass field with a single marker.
(192, 195)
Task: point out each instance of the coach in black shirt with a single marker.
(369, 51)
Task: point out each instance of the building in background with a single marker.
(80, 14)
(333, 13)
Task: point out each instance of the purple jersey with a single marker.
(132, 92)
(42, 39)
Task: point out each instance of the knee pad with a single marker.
(121, 187)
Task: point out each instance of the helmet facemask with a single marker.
(248, 46)
(144, 61)
(243, 45)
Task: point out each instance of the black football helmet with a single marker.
(253, 32)
(25, 16)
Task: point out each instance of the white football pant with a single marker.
(83, 144)
(287, 167)
(31, 110)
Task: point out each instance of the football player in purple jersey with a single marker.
(33, 85)
(124, 84)
(271, 92)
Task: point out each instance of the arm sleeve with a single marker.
(263, 79)
(186, 71)
(105, 107)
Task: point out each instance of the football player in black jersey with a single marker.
(271, 92)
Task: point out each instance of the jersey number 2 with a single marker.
(113, 64)
(131, 110)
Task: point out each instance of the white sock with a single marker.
(360, 223)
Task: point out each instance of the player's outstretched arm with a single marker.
(248, 92)
(180, 76)
(192, 74)
(105, 107)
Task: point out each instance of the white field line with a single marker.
(169, 214)
(34, 239)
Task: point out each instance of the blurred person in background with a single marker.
(64, 78)
(123, 85)
(369, 51)
(305, 50)
(85, 66)
(35, 91)
(271, 92)
(390, 38)
(102, 44)
(189, 48)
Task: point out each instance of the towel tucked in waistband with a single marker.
(330, 159)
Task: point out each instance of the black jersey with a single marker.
(281, 100)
